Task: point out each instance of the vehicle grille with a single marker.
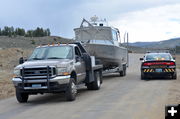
(38, 72)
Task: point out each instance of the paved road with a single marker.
(119, 98)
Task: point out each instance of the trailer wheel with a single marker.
(71, 90)
(21, 97)
(123, 72)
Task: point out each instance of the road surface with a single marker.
(119, 98)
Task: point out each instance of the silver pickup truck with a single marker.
(56, 68)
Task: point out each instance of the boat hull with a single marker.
(109, 55)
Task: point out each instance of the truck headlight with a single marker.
(17, 73)
(62, 71)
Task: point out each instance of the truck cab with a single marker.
(56, 68)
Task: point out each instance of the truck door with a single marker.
(79, 65)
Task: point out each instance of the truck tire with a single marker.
(89, 86)
(21, 97)
(96, 84)
(71, 90)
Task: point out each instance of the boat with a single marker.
(101, 41)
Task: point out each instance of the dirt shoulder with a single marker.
(6, 86)
(174, 90)
(8, 60)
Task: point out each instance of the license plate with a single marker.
(36, 85)
(158, 70)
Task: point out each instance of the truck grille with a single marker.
(38, 72)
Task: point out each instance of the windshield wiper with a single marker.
(54, 58)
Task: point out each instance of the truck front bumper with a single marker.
(58, 83)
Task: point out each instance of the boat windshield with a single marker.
(97, 35)
(55, 52)
(85, 34)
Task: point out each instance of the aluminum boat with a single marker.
(101, 41)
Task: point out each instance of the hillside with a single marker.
(29, 42)
(171, 43)
(142, 44)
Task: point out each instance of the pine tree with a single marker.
(20, 32)
(5, 31)
(48, 32)
(29, 33)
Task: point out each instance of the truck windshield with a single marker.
(63, 52)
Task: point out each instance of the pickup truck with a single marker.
(56, 68)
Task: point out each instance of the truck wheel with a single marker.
(97, 83)
(21, 97)
(89, 86)
(71, 91)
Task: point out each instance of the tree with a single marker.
(29, 33)
(20, 32)
(5, 31)
(38, 32)
(10, 31)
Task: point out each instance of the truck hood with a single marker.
(49, 62)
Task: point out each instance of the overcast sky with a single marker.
(145, 20)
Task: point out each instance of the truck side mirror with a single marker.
(174, 58)
(141, 58)
(21, 60)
